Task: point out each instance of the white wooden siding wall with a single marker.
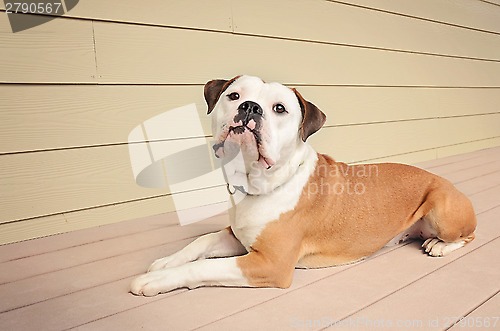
(400, 80)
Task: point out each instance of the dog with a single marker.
(302, 209)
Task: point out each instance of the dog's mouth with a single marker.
(244, 134)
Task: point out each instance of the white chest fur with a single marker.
(254, 212)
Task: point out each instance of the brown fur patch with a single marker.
(346, 213)
(213, 90)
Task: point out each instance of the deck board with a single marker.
(84, 276)
(482, 315)
(372, 280)
(434, 297)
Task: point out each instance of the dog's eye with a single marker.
(279, 108)
(233, 96)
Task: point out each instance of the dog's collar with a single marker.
(241, 188)
(236, 188)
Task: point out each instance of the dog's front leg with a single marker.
(251, 270)
(218, 244)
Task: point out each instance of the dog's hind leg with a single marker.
(449, 219)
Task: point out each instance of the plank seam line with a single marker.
(495, 186)
(485, 87)
(153, 300)
(57, 149)
(76, 291)
(475, 156)
(113, 204)
(413, 119)
(487, 210)
(375, 48)
(415, 17)
(445, 164)
(454, 162)
(489, 2)
(465, 168)
(474, 309)
(422, 150)
(78, 245)
(479, 176)
(414, 281)
(97, 260)
(298, 39)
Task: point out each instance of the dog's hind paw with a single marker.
(437, 247)
(170, 261)
(161, 264)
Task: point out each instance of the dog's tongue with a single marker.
(265, 162)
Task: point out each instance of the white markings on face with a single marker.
(262, 120)
(270, 136)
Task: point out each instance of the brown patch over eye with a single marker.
(233, 96)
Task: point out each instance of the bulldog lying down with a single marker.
(303, 209)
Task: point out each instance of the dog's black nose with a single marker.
(251, 108)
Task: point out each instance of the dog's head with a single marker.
(267, 121)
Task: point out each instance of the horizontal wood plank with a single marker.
(46, 245)
(472, 14)
(434, 153)
(199, 14)
(372, 28)
(484, 316)
(366, 142)
(155, 55)
(213, 15)
(61, 116)
(468, 147)
(60, 51)
(77, 179)
(449, 165)
(442, 284)
(456, 161)
(77, 220)
(36, 117)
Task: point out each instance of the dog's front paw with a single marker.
(152, 283)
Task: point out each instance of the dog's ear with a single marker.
(213, 89)
(312, 117)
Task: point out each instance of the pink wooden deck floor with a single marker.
(80, 280)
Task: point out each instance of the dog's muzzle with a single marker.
(248, 119)
(248, 111)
